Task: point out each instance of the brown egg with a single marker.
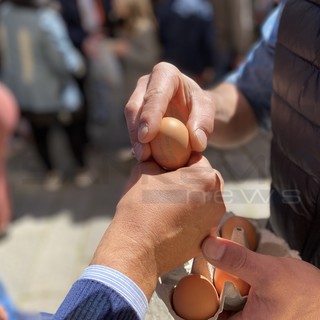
(195, 298)
(171, 147)
(220, 277)
(241, 222)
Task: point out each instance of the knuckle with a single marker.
(218, 180)
(142, 80)
(211, 179)
(130, 109)
(167, 71)
(163, 66)
(151, 93)
(213, 189)
(158, 66)
(198, 177)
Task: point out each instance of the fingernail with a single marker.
(138, 150)
(212, 249)
(202, 138)
(143, 131)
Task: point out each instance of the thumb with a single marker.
(234, 258)
(201, 119)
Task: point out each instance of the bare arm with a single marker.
(235, 122)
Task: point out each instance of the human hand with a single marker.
(281, 287)
(161, 220)
(168, 92)
(8, 120)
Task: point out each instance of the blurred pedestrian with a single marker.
(87, 25)
(187, 33)
(39, 64)
(79, 30)
(8, 121)
(136, 41)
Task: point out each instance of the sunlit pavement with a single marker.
(54, 234)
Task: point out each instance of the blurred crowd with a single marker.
(69, 62)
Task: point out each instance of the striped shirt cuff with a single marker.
(121, 284)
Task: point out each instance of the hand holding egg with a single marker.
(166, 91)
(241, 231)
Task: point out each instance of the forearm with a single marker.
(235, 121)
(129, 256)
(117, 283)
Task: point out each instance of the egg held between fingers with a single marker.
(171, 147)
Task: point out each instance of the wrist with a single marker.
(132, 257)
(223, 110)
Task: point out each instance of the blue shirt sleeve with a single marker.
(99, 291)
(102, 293)
(121, 284)
(254, 76)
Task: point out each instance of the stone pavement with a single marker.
(54, 234)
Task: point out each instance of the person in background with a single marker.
(39, 64)
(278, 84)
(89, 23)
(187, 34)
(9, 115)
(152, 232)
(136, 41)
(72, 15)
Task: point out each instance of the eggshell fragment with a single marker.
(195, 298)
(171, 147)
(220, 277)
(240, 222)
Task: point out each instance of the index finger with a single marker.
(162, 88)
(132, 113)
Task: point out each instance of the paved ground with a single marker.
(53, 234)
